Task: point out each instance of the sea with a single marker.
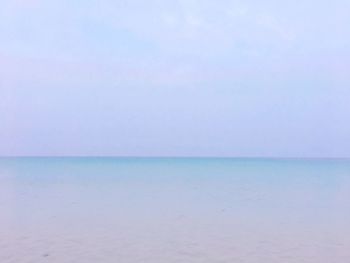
(150, 210)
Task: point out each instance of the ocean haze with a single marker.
(174, 210)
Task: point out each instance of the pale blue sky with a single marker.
(175, 78)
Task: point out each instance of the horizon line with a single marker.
(178, 157)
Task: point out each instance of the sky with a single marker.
(175, 78)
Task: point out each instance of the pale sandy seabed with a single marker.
(174, 210)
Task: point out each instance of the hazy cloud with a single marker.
(181, 77)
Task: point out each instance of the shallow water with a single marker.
(174, 210)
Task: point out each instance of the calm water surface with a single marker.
(174, 210)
